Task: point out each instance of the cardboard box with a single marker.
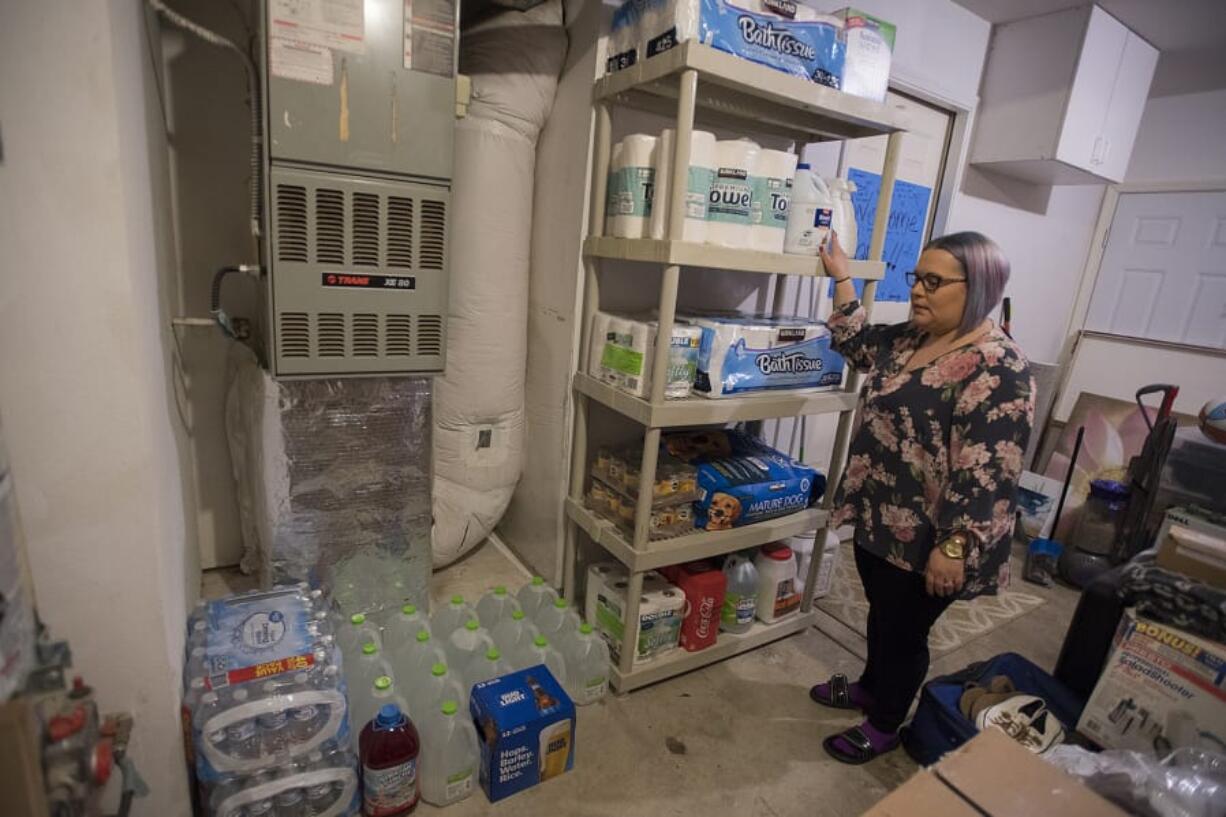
(869, 52)
(1197, 554)
(1161, 687)
(526, 724)
(992, 775)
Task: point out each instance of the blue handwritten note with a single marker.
(904, 235)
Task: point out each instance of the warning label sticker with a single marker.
(327, 23)
(429, 36)
(291, 59)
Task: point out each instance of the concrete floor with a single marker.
(739, 737)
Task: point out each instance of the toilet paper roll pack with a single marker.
(701, 174)
(632, 175)
(752, 354)
(771, 192)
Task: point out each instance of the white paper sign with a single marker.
(291, 59)
(327, 23)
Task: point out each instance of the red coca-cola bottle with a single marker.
(389, 747)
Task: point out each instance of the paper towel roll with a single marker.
(631, 179)
(600, 331)
(771, 186)
(729, 203)
(702, 171)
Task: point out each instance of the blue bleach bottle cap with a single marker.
(802, 166)
(389, 716)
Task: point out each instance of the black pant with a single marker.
(900, 614)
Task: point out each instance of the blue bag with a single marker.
(939, 727)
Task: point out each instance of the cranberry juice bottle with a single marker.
(389, 748)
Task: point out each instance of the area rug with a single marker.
(962, 622)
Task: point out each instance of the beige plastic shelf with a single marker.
(675, 662)
(697, 411)
(738, 94)
(700, 544)
(688, 254)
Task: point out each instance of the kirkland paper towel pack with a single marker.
(771, 192)
(728, 205)
(751, 354)
(632, 175)
(702, 173)
(782, 34)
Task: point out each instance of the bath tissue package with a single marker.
(741, 355)
(632, 176)
(729, 204)
(783, 34)
(770, 193)
(701, 174)
(869, 43)
(622, 349)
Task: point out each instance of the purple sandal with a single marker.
(859, 744)
(838, 694)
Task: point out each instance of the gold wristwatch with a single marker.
(955, 546)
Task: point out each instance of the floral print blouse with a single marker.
(935, 450)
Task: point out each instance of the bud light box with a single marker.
(526, 724)
(783, 34)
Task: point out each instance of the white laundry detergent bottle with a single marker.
(440, 685)
(470, 640)
(809, 213)
(541, 652)
(403, 627)
(777, 596)
(587, 666)
(534, 595)
(451, 616)
(514, 634)
(413, 660)
(450, 755)
(494, 606)
(740, 595)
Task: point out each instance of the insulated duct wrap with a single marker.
(333, 482)
(514, 60)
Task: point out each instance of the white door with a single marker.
(1163, 273)
(1090, 97)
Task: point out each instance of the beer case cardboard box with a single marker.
(1161, 687)
(526, 725)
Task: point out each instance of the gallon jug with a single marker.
(440, 685)
(809, 213)
(414, 660)
(535, 595)
(483, 667)
(587, 666)
(451, 616)
(777, 594)
(403, 628)
(511, 635)
(463, 644)
(450, 756)
(540, 652)
(352, 633)
(740, 595)
(843, 215)
(370, 664)
(494, 606)
(558, 622)
(388, 748)
(365, 704)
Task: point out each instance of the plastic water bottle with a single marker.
(470, 640)
(414, 660)
(196, 662)
(809, 214)
(369, 665)
(495, 606)
(558, 622)
(535, 595)
(289, 802)
(389, 748)
(451, 616)
(242, 737)
(540, 652)
(319, 795)
(209, 708)
(512, 635)
(587, 666)
(450, 756)
(403, 628)
(303, 716)
(273, 725)
(262, 807)
(740, 595)
(483, 667)
(440, 685)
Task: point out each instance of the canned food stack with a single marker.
(264, 707)
(615, 488)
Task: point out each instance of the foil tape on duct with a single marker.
(514, 61)
(333, 482)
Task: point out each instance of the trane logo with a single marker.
(776, 39)
(706, 617)
(350, 280)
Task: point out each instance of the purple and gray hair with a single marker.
(987, 272)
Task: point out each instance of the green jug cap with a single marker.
(409, 609)
(370, 648)
(357, 619)
(382, 683)
(537, 581)
(438, 669)
(423, 636)
(518, 615)
(457, 599)
(540, 641)
(560, 603)
(500, 590)
(450, 707)
(492, 654)
(585, 628)
(472, 624)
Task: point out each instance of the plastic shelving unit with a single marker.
(695, 83)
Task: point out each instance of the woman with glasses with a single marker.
(932, 471)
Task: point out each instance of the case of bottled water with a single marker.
(264, 707)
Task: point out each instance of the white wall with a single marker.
(89, 416)
(1182, 138)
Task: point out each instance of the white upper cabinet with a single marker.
(1062, 98)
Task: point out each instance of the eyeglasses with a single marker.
(931, 281)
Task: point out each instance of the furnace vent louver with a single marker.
(330, 336)
(433, 246)
(295, 334)
(291, 223)
(398, 336)
(399, 232)
(329, 227)
(365, 230)
(366, 335)
(430, 335)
